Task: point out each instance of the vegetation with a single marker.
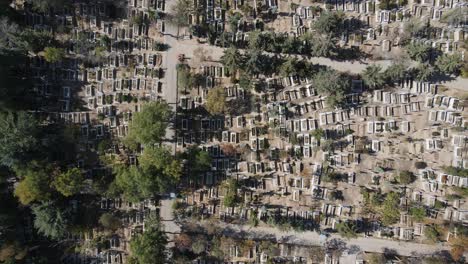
(231, 198)
(70, 182)
(333, 85)
(347, 229)
(148, 126)
(406, 177)
(109, 221)
(449, 63)
(232, 59)
(419, 52)
(389, 209)
(216, 101)
(418, 213)
(432, 233)
(150, 246)
(53, 55)
(373, 77)
(50, 220)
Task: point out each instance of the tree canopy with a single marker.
(149, 125)
(69, 182)
(232, 59)
(373, 76)
(18, 137)
(50, 220)
(390, 212)
(158, 171)
(332, 84)
(149, 247)
(34, 184)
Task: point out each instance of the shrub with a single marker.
(432, 233)
(406, 177)
(420, 164)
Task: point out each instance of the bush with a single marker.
(406, 177)
(418, 213)
(432, 233)
(420, 165)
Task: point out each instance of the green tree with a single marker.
(185, 79)
(70, 182)
(134, 183)
(322, 46)
(181, 12)
(387, 4)
(216, 101)
(231, 198)
(109, 221)
(330, 23)
(198, 161)
(50, 220)
(419, 52)
(449, 63)
(148, 126)
(149, 247)
(347, 229)
(389, 210)
(53, 55)
(333, 85)
(19, 133)
(373, 76)
(158, 161)
(199, 245)
(396, 72)
(45, 6)
(424, 72)
(34, 185)
(254, 62)
(455, 17)
(418, 213)
(232, 59)
(432, 233)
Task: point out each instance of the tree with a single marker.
(181, 12)
(373, 76)
(34, 185)
(347, 229)
(387, 4)
(10, 37)
(419, 52)
(322, 46)
(19, 133)
(199, 245)
(50, 220)
(455, 17)
(418, 213)
(449, 63)
(396, 72)
(255, 62)
(231, 198)
(109, 221)
(458, 247)
(158, 161)
(149, 247)
(406, 177)
(432, 233)
(332, 84)
(390, 212)
(424, 72)
(185, 79)
(45, 6)
(53, 55)
(232, 59)
(149, 126)
(157, 173)
(183, 242)
(329, 23)
(70, 182)
(216, 101)
(197, 160)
